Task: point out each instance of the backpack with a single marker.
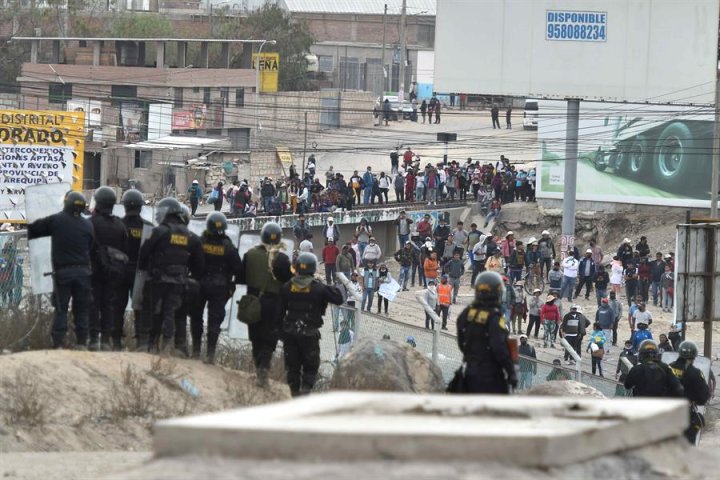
(112, 262)
(214, 196)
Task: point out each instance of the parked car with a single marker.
(530, 115)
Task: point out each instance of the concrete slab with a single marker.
(354, 426)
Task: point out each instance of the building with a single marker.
(349, 41)
(138, 92)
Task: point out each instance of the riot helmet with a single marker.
(271, 234)
(687, 350)
(306, 264)
(105, 200)
(216, 223)
(166, 208)
(185, 215)
(489, 288)
(74, 203)
(648, 351)
(133, 201)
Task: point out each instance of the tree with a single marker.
(139, 25)
(270, 22)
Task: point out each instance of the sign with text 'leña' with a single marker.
(269, 71)
(615, 50)
(37, 147)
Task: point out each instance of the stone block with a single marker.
(342, 426)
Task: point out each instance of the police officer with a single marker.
(303, 301)
(222, 263)
(264, 270)
(72, 237)
(190, 297)
(483, 339)
(110, 261)
(168, 255)
(650, 377)
(133, 201)
(696, 387)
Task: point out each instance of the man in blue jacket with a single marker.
(586, 274)
(368, 182)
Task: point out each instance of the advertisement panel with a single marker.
(38, 147)
(269, 71)
(616, 50)
(93, 117)
(646, 154)
(197, 116)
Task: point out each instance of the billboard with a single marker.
(629, 153)
(93, 116)
(38, 147)
(617, 50)
(269, 71)
(197, 116)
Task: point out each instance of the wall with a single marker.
(381, 221)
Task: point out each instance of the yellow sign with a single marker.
(269, 71)
(38, 147)
(284, 156)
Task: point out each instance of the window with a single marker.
(206, 95)
(325, 63)
(143, 158)
(196, 89)
(59, 92)
(426, 35)
(225, 96)
(121, 92)
(239, 97)
(178, 97)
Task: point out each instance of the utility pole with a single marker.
(382, 60)
(304, 147)
(403, 47)
(715, 179)
(569, 194)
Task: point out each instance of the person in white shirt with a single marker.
(302, 199)
(372, 252)
(479, 251)
(570, 272)
(306, 245)
(331, 231)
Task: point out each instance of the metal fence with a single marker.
(14, 269)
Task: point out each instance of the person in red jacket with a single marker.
(644, 277)
(410, 182)
(329, 254)
(550, 318)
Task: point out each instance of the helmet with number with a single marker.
(216, 223)
(133, 201)
(306, 264)
(271, 233)
(105, 199)
(687, 350)
(168, 207)
(648, 351)
(489, 288)
(74, 203)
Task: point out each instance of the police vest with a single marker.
(477, 338)
(258, 273)
(216, 250)
(173, 253)
(304, 311)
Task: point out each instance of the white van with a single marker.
(530, 115)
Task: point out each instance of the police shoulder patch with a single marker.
(503, 323)
(179, 239)
(136, 233)
(678, 372)
(478, 316)
(297, 289)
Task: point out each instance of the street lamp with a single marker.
(257, 84)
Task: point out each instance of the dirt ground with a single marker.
(61, 400)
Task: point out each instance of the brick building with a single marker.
(349, 40)
(139, 91)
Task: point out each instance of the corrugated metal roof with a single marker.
(368, 7)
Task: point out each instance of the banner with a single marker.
(647, 154)
(197, 116)
(269, 71)
(93, 117)
(38, 147)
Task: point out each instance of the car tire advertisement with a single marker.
(629, 153)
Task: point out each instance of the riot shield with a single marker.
(42, 201)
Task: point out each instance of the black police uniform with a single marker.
(653, 379)
(107, 278)
(72, 240)
(222, 263)
(697, 392)
(303, 301)
(483, 340)
(134, 227)
(168, 255)
(190, 298)
(258, 277)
